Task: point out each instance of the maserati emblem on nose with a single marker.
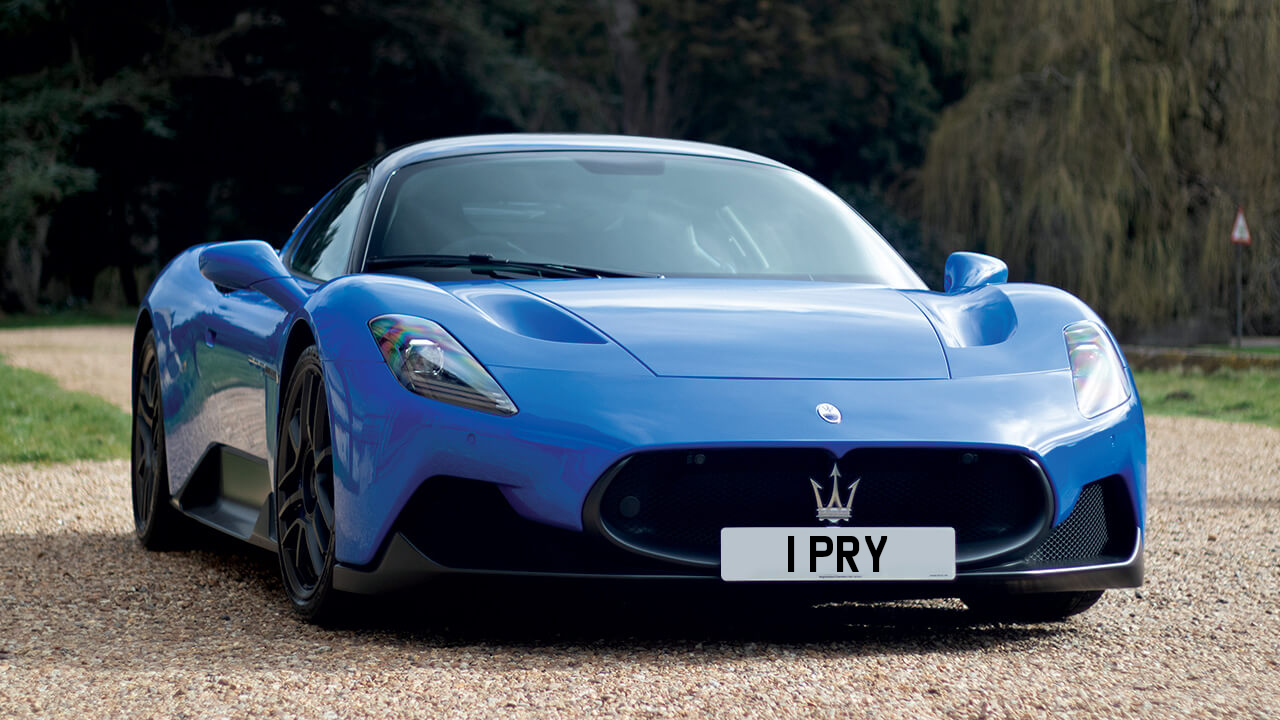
(829, 412)
(834, 511)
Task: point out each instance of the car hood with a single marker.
(756, 329)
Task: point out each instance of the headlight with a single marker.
(428, 360)
(1095, 369)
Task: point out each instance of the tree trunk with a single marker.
(24, 264)
(620, 20)
(128, 283)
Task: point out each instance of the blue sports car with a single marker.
(620, 357)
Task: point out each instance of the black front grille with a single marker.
(672, 504)
(1099, 528)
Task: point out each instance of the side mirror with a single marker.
(969, 270)
(251, 265)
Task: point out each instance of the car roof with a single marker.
(525, 142)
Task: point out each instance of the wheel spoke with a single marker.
(291, 454)
(143, 485)
(291, 532)
(143, 424)
(289, 476)
(288, 506)
(138, 510)
(148, 481)
(157, 437)
(318, 417)
(153, 392)
(323, 458)
(147, 465)
(299, 547)
(295, 433)
(304, 412)
(324, 535)
(325, 505)
(144, 436)
(313, 549)
(147, 389)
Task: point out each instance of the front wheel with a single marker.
(157, 525)
(1031, 607)
(304, 493)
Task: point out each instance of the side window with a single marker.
(323, 253)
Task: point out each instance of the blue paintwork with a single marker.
(602, 367)
(251, 265)
(241, 264)
(969, 270)
(757, 328)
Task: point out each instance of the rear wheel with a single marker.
(304, 492)
(1031, 607)
(157, 525)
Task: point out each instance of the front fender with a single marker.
(369, 408)
(340, 312)
(1003, 329)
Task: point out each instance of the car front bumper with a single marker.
(403, 566)
(541, 466)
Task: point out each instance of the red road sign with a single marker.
(1240, 229)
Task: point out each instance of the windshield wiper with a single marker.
(487, 264)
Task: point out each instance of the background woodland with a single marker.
(1099, 145)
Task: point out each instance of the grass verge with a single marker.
(1251, 396)
(63, 318)
(1259, 349)
(44, 423)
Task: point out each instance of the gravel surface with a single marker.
(91, 625)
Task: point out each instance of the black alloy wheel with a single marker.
(155, 522)
(304, 492)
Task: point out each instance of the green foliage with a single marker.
(42, 116)
(244, 95)
(1103, 146)
(39, 116)
(1235, 395)
(67, 318)
(1259, 349)
(841, 89)
(44, 423)
(1100, 145)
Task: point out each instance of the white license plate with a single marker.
(838, 553)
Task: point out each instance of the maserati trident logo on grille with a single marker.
(829, 412)
(833, 511)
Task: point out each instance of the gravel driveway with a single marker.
(93, 626)
(93, 359)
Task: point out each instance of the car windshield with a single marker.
(627, 213)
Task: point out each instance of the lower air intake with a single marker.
(1099, 528)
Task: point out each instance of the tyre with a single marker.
(156, 523)
(1031, 607)
(304, 493)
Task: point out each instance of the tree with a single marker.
(1104, 147)
(46, 105)
(839, 88)
(131, 132)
